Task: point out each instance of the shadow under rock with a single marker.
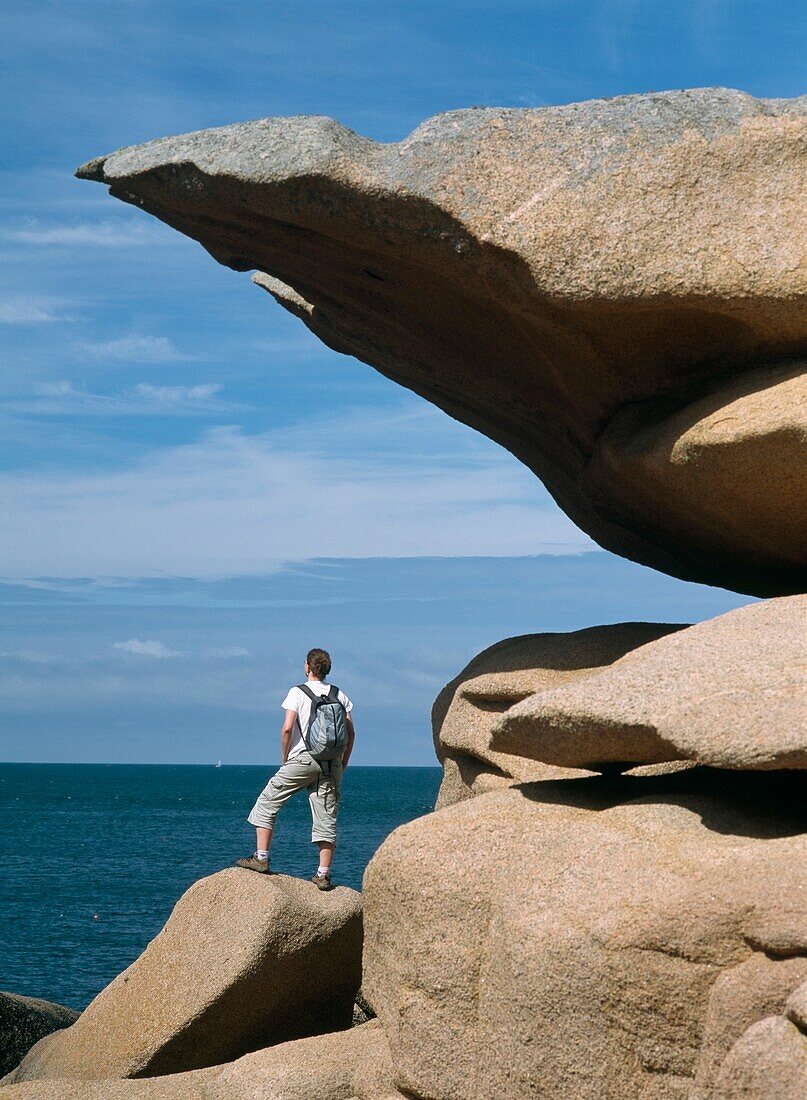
(765, 805)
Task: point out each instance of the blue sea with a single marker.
(93, 857)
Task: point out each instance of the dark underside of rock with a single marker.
(614, 291)
(23, 1022)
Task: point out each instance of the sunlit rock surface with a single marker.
(513, 670)
(613, 290)
(245, 961)
(565, 939)
(730, 692)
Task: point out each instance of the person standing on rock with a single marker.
(316, 741)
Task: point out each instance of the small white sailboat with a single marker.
(217, 764)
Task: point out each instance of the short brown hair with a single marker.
(319, 662)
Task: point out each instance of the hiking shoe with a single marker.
(322, 882)
(252, 863)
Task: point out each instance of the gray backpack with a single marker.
(326, 734)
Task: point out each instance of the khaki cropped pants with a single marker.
(298, 773)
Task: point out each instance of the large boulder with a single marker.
(23, 1022)
(328, 1067)
(612, 290)
(245, 961)
(729, 692)
(742, 996)
(740, 447)
(352, 1065)
(796, 1007)
(769, 1062)
(505, 674)
(176, 1086)
(564, 939)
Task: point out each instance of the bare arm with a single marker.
(351, 737)
(285, 734)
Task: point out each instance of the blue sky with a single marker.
(154, 440)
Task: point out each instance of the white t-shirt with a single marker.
(299, 702)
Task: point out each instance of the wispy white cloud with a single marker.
(140, 349)
(302, 342)
(150, 648)
(234, 503)
(24, 309)
(57, 389)
(614, 26)
(708, 20)
(106, 234)
(31, 656)
(177, 395)
(144, 399)
(529, 99)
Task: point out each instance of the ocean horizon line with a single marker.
(185, 764)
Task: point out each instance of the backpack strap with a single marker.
(332, 695)
(315, 699)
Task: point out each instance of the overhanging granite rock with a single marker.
(589, 285)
